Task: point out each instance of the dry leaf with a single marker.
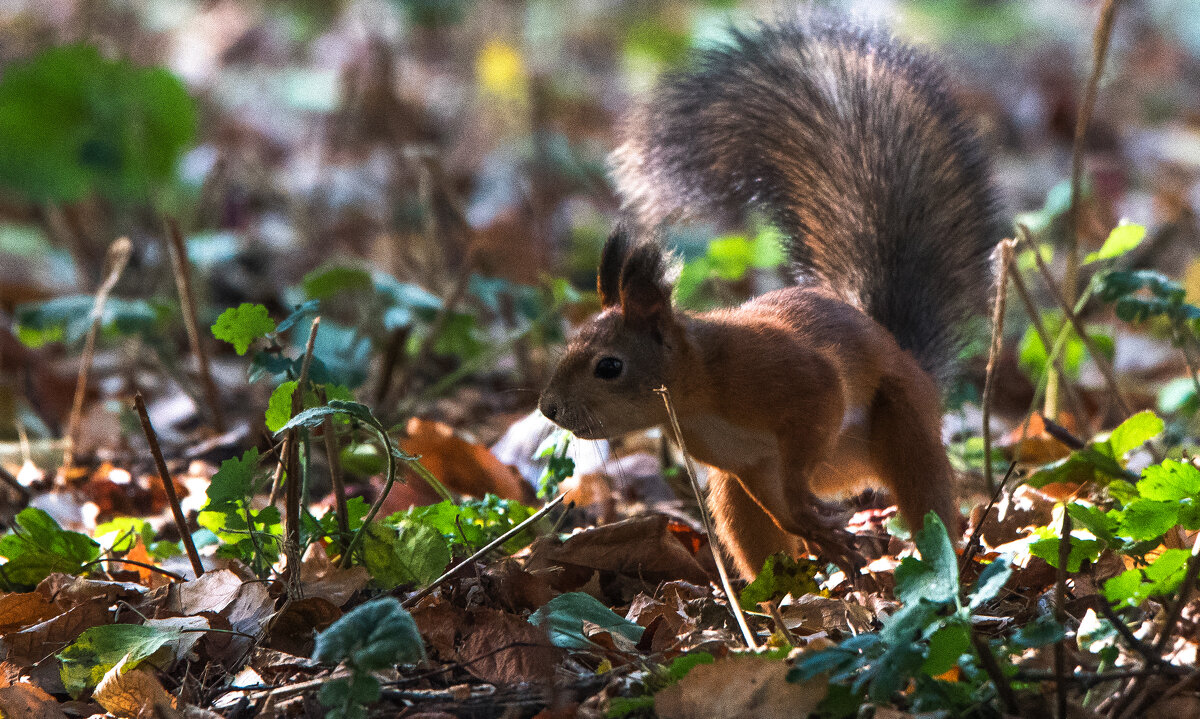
(21, 609)
(33, 644)
(28, 702)
(319, 577)
(133, 694)
(530, 657)
(743, 686)
(296, 627)
(212, 592)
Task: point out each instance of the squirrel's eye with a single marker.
(609, 368)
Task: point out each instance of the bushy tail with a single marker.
(851, 144)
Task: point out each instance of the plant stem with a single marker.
(187, 300)
(292, 495)
(336, 480)
(470, 561)
(114, 261)
(1006, 255)
(730, 595)
(168, 486)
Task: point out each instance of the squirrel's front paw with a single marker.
(836, 545)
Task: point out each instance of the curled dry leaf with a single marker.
(525, 652)
(742, 686)
(33, 644)
(133, 694)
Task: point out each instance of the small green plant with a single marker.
(372, 637)
(925, 638)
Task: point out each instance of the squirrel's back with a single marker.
(849, 142)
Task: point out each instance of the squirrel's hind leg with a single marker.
(906, 444)
(747, 533)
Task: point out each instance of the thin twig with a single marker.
(1147, 653)
(293, 494)
(336, 480)
(1060, 613)
(991, 667)
(1101, 361)
(183, 282)
(1055, 358)
(456, 569)
(772, 607)
(143, 565)
(730, 595)
(1093, 678)
(168, 485)
(114, 261)
(973, 543)
(1006, 255)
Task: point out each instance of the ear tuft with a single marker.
(612, 259)
(645, 290)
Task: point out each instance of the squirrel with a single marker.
(850, 143)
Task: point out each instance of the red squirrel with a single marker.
(850, 143)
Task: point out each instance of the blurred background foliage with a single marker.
(409, 144)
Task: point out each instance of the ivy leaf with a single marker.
(233, 482)
(86, 660)
(242, 325)
(313, 417)
(372, 636)
(1171, 481)
(933, 577)
(563, 618)
(38, 547)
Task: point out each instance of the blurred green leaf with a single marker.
(36, 547)
(242, 325)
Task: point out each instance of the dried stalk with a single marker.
(168, 485)
(730, 595)
(336, 480)
(114, 262)
(1006, 255)
(187, 300)
(292, 494)
(1060, 614)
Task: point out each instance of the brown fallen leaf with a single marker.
(641, 547)
(68, 591)
(320, 577)
(33, 644)
(464, 467)
(440, 622)
(28, 702)
(743, 686)
(503, 649)
(21, 609)
(134, 694)
(296, 627)
(212, 592)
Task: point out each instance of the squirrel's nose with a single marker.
(550, 409)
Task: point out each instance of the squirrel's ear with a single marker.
(612, 258)
(645, 291)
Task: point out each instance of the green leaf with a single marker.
(563, 618)
(1042, 631)
(242, 325)
(323, 283)
(313, 417)
(1081, 550)
(1171, 481)
(933, 577)
(1122, 239)
(234, 481)
(372, 636)
(991, 580)
(86, 660)
(416, 554)
(279, 406)
(1162, 577)
(945, 647)
(1146, 519)
(781, 575)
(1134, 432)
(73, 122)
(37, 547)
